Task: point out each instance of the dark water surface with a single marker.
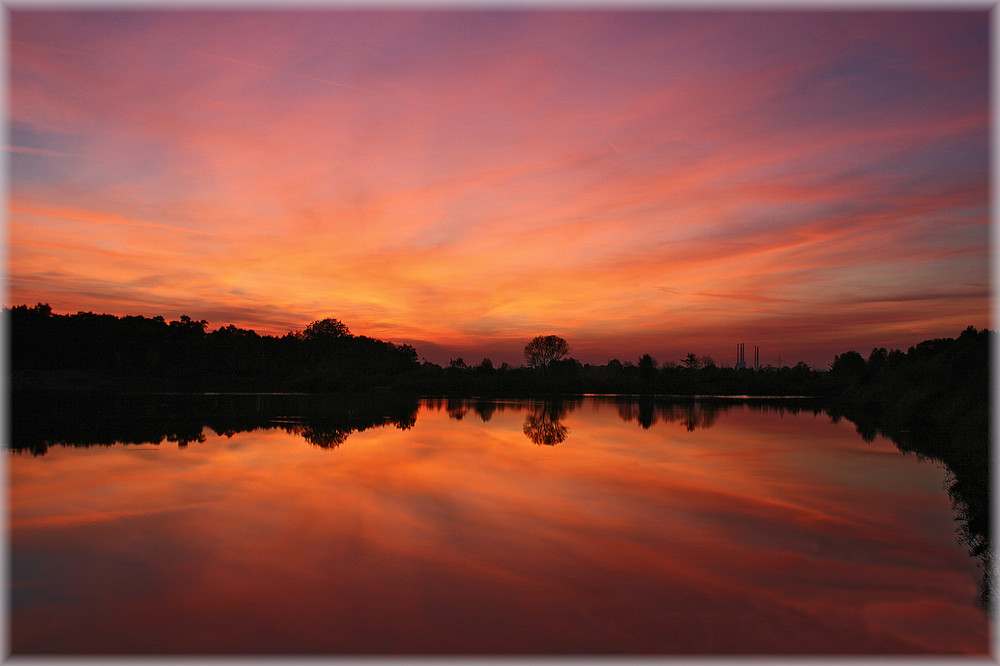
(592, 526)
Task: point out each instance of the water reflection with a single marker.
(646, 410)
(543, 426)
(41, 421)
(542, 423)
(328, 421)
(442, 529)
(965, 452)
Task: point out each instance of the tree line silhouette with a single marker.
(935, 380)
(101, 351)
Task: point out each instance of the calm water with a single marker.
(591, 526)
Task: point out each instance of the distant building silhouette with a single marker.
(741, 362)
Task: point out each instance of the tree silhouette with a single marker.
(691, 361)
(847, 368)
(544, 350)
(326, 328)
(647, 368)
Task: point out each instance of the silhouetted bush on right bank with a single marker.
(943, 381)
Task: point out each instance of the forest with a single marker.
(91, 352)
(935, 380)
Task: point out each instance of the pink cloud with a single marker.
(525, 184)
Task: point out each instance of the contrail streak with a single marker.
(281, 71)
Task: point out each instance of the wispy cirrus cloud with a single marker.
(279, 71)
(455, 176)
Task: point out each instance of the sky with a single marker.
(652, 180)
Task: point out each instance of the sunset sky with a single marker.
(656, 181)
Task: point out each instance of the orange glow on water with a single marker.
(764, 533)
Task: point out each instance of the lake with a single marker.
(599, 525)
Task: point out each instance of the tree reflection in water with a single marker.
(543, 424)
(965, 453)
(646, 411)
(542, 429)
(321, 438)
(324, 420)
(695, 413)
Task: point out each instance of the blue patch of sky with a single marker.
(59, 156)
(870, 85)
(944, 164)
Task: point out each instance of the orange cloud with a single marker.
(472, 187)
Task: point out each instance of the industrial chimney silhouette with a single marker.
(741, 361)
